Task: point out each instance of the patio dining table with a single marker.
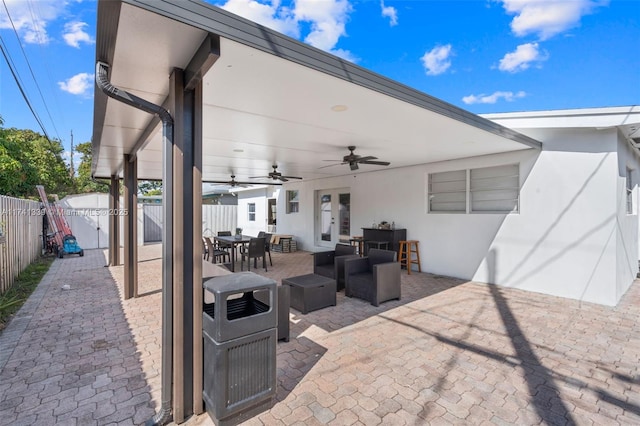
(234, 241)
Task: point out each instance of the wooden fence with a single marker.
(20, 237)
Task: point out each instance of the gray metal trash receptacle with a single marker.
(240, 335)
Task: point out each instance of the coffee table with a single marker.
(311, 292)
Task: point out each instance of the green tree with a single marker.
(27, 159)
(150, 187)
(84, 182)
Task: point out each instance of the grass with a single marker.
(24, 285)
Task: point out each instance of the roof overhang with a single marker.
(624, 118)
(268, 99)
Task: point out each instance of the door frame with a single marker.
(335, 216)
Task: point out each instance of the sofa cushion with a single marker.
(343, 249)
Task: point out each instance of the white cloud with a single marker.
(436, 61)
(270, 15)
(79, 84)
(326, 18)
(391, 13)
(522, 58)
(549, 17)
(74, 34)
(31, 18)
(493, 98)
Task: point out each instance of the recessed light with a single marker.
(339, 108)
(238, 150)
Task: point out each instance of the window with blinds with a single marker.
(448, 192)
(495, 189)
(483, 190)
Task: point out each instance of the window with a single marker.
(629, 192)
(293, 204)
(487, 189)
(495, 189)
(252, 211)
(448, 192)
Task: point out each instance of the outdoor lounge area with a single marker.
(448, 352)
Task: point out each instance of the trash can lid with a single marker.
(240, 281)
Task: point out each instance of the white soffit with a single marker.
(279, 112)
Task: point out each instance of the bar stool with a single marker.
(357, 242)
(382, 245)
(407, 249)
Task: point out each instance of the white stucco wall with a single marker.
(562, 242)
(258, 196)
(627, 224)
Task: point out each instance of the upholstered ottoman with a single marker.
(311, 292)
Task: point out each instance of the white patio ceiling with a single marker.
(260, 109)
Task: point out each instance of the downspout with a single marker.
(102, 80)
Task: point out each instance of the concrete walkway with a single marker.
(450, 352)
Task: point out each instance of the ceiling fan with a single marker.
(276, 175)
(234, 183)
(353, 160)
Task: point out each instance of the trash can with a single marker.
(240, 335)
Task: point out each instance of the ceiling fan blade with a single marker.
(282, 179)
(330, 165)
(365, 159)
(377, 163)
(292, 177)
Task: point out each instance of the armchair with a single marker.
(374, 278)
(331, 263)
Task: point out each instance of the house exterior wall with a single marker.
(562, 242)
(627, 229)
(259, 197)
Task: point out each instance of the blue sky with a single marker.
(481, 55)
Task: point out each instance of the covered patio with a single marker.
(189, 93)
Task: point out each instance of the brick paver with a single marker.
(449, 352)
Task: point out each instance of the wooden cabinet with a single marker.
(393, 236)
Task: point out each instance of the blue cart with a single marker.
(70, 246)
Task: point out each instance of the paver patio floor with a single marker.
(449, 352)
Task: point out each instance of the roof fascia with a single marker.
(597, 118)
(225, 24)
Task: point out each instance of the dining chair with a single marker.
(216, 253)
(223, 245)
(205, 250)
(267, 244)
(254, 250)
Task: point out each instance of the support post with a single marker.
(182, 102)
(130, 228)
(114, 221)
(198, 406)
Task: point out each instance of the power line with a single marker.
(24, 95)
(35, 80)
